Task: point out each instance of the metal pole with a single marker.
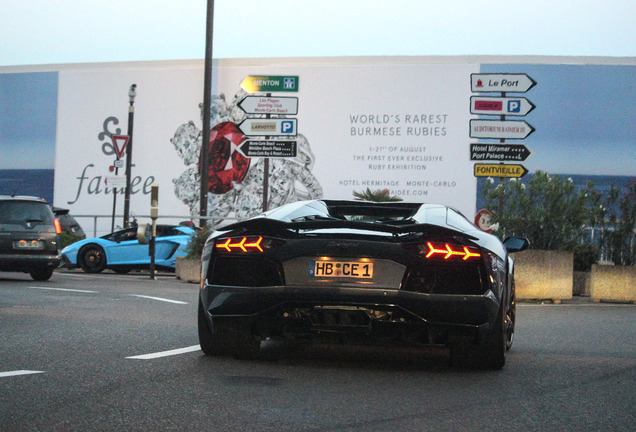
(207, 98)
(131, 118)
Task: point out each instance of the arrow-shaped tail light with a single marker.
(448, 251)
(240, 244)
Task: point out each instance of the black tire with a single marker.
(231, 337)
(42, 274)
(211, 343)
(510, 320)
(490, 355)
(92, 259)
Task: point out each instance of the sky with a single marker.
(39, 32)
(80, 31)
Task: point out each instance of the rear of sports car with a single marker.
(365, 281)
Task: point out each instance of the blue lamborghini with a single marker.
(121, 252)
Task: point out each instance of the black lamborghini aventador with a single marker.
(358, 272)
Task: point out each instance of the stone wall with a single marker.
(543, 275)
(613, 283)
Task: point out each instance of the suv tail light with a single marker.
(58, 227)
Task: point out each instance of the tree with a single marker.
(549, 212)
(379, 195)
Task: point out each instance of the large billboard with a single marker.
(400, 124)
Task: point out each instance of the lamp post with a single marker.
(131, 118)
(207, 98)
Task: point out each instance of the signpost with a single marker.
(500, 170)
(500, 129)
(266, 148)
(119, 142)
(281, 105)
(270, 83)
(500, 105)
(501, 152)
(501, 82)
(268, 127)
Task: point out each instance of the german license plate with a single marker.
(28, 244)
(342, 269)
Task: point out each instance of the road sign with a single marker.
(268, 127)
(501, 152)
(483, 220)
(120, 141)
(500, 105)
(282, 105)
(501, 129)
(502, 82)
(266, 148)
(500, 170)
(115, 181)
(270, 83)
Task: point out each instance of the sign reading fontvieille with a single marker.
(500, 170)
(270, 83)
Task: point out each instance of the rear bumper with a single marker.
(25, 263)
(292, 312)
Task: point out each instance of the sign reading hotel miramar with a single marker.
(270, 83)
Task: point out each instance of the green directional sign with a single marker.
(270, 83)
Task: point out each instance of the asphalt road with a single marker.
(120, 353)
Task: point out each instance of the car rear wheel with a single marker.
(229, 337)
(211, 343)
(41, 274)
(509, 323)
(491, 354)
(92, 259)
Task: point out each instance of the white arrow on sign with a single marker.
(268, 127)
(500, 129)
(500, 105)
(514, 83)
(269, 105)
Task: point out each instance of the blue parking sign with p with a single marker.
(514, 106)
(287, 127)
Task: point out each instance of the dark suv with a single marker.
(29, 236)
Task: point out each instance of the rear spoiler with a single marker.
(272, 226)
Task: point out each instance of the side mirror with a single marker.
(516, 244)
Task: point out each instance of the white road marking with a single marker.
(166, 353)
(65, 289)
(18, 372)
(158, 298)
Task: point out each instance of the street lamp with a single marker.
(207, 98)
(131, 118)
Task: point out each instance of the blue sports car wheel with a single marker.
(92, 259)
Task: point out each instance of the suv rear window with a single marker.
(20, 212)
